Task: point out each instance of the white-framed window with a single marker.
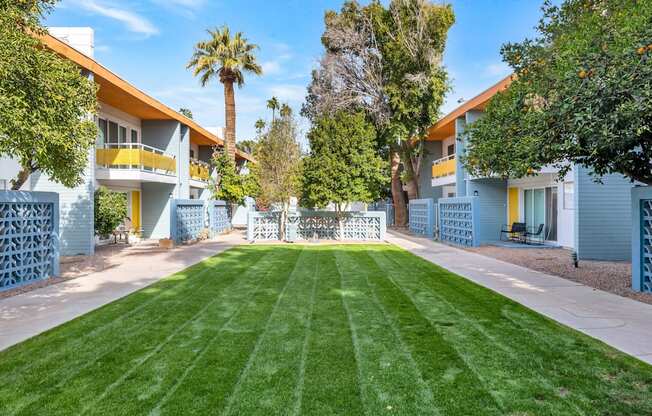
(569, 195)
(134, 136)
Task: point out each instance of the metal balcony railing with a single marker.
(135, 156)
(443, 167)
(199, 171)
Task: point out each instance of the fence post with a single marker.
(642, 239)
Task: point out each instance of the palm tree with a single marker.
(226, 58)
(286, 111)
(273, 105)
(259, 125)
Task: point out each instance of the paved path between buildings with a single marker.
(623, 323)
(28, 314)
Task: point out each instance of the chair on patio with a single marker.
(534, 236)
(514, 232)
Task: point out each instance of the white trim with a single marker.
(197, 184)
(133, 175)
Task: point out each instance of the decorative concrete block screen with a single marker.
(263, 226)
(361, 226)
(218, 216)
(422, 217)
(386, 207)
(642, 239)
(29, 237)
(187, 219)
(459, 221)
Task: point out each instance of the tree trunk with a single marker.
(229, 109)
(411, 172)
(398, 198)
(21, 178)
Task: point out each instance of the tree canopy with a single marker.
(582, 94)
(232, 186)
(46, 103)
(278, 163)
(343, 165)
(385, 61)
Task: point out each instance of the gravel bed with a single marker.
(613, 277)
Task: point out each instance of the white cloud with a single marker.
(134, 22)
(187, 8)
(288, 92)
(271, 67)
(497, 68)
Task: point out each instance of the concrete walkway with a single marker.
(620, 322)
(28, 314)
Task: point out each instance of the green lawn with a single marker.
(348, 329)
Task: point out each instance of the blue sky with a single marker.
(148, 42)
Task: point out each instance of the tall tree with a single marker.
(582, 93)
(259, 126)
(278, 165)
(226, 58)
(273, 104)
(46, 103)
(343, 165)
(387, 62)
(286, 111)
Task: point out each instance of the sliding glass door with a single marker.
(540, 206)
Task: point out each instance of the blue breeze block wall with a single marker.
(29, 237)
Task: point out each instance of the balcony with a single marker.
(443, 171)
(199, 171)
(120, 160)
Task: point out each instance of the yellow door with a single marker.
(135, 210)
(512, 196)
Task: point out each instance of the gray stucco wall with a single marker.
(603, 220)
(162, 134)
(492, 195)
(432, 152)
(183, 164)
(155, 208)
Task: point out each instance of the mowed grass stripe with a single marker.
(560, 371)
(477, 347)
(330, 382)
(54, 371)
(161, 376)
(205, 389)
(91, 382)
(269, 381)
(391, 380)
(442, 367)
(109, 316)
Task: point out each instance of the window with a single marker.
(192, 154)
(113, 132)
(101, 138)
(123, 134)
(451, 149)
(569, 195)
(134, 136)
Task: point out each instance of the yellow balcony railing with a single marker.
(443, 167)
(135, 156)
(199, 170)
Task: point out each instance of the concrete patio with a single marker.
(622, 323)
(28, 314)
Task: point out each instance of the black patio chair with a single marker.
(534, 236)
(513, 232)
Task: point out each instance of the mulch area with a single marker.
(613, 277)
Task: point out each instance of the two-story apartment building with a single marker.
(593, 219)
(145, 149)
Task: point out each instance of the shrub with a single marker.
(110, 210)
